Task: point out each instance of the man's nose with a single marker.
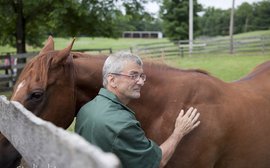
(140, 82)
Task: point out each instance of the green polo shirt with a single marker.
(112, 126)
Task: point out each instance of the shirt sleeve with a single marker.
(135, 150)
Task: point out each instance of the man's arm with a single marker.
(183, 125)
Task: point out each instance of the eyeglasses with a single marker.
(134, 77)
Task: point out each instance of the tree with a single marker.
(215, 22)
(174, 14)
(23, 19)
(140, 20)
(248, 17)
(11, 22)
(29, 22)
(262, 15)
(243, 18)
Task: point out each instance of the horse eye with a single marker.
(36, 95)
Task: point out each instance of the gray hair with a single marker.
(116, 62)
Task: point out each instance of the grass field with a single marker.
(115, 44)
(227, 68)
(260, 33)
(92, 43)
(253, 33)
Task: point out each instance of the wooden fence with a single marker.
(6, 72)
(9, 66)
(95, 50)
(217, 46)
(43, 145)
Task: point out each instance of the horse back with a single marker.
(231, 115)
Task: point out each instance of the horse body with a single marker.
(234, 116)
(230, 118)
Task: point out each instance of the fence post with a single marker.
(181, 48)
(182, 51)
(8, 69)
(263, 44)
(7, 62)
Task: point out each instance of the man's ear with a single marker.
(112, 82)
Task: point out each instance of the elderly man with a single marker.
(107, 122)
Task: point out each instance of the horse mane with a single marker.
(87, 55)
(165, 67)
(147, 63)
(43, 63)
(258, 70)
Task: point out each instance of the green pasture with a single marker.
(227, 67)
(259, 33)
(91, 43)
(116, 44)
(253, 34)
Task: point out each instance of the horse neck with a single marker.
(88, 72)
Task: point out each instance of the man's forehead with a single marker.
(132, 64)
(133, 67)
(134, 71)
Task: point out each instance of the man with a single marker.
(107, 122)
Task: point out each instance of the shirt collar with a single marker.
(106, 93)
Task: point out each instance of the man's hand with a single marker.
(183, 125)
(186, 122)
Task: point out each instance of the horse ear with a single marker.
(49, 46)
(63, 55)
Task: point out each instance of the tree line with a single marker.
(31, 21)
(247, 17)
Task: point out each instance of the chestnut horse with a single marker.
(235, 117)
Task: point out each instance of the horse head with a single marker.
(45, 81)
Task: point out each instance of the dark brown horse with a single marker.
(235, 117)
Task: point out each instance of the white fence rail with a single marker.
(245, 45)
(42, 144)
